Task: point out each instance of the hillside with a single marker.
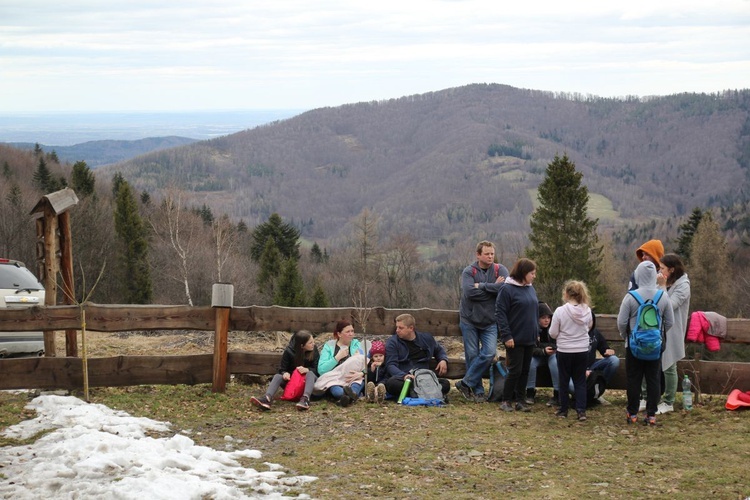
(424, 162)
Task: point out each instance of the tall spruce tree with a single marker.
(687, 230)
(563, 238)
(285, 235)
(82, 179)
(42, 176)
(270, 265)
(135, 272)
(290, 290)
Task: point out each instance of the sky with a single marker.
(93, 451)
(159, 55)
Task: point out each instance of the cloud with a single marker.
(294, 54)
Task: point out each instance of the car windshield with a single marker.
(15, 278)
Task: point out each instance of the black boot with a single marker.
(530, 394)
(554, 400)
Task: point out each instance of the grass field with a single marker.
(462, 450)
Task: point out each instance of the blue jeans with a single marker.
(478, 358)
(338, 390)
(607, 365)
(551, 362)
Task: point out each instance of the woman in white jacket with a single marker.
(570, 326)
(672, 275)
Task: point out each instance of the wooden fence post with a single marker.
(222, 298)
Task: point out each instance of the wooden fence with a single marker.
(162, 368)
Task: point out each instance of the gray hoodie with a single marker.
(570, 326)
(645, 277)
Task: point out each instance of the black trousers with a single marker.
(636, 370)
(517, 360)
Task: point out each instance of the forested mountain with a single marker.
(464, 162)
(97, 153)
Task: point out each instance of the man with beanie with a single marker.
(651, 251)
(636, 369)
(480, 283)
(545, 353)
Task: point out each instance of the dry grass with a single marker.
(462, 450)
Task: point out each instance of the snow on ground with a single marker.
(93, 451)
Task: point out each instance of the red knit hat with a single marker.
(652, 247)
(378, 347)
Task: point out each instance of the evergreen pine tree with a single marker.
(270, 264)
(563, 239)
(319, 297)
(285, 235)
(687, 229)
(82, 179)
(136, 275)
(290, 290)
(7, 173)
(315, 254)
(42, 176)
(117, 180)
(145, 198)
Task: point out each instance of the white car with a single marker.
(20, 288)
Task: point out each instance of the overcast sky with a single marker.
(156, 55)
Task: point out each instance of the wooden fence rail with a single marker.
(67, 372)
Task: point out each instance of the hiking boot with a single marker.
(348, 391)
(263, 402)
(603, 401)
(581, 416)
(506, 406)
(642, 405)
(480, 398)
(530, 395)
(465, 390)
(664, 408)
(554, 400)
(380, 393)
(304, 404)
(522, 407)
(561, 414)
(650, 420)
(344, 401)
(631, 419)
(370, 392)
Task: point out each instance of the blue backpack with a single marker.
(646, 340)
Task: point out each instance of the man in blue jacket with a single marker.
(408, 349)
(480, 283)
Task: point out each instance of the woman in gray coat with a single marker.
(672, 275)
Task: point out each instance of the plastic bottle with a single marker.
(405, 390)
(687, 394)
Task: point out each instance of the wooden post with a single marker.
(66, 272)
(222, 298)
(50, 276)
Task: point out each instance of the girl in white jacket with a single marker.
(570, 326)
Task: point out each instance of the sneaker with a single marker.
(650, 420)
(603, 401)
(465, 390)
(304, 404)
(522, 407)
(480, 398)
(561, 414)
(553, 401)
(642, 405)
(506, 406)
(631, 419)
(344, 401)
(370, 392)
(664, 408)
(581, 416)
(262, 402)
(353, 397)
(380, 393)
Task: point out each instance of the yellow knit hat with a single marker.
(654, 248)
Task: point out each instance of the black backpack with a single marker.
(498, 374)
